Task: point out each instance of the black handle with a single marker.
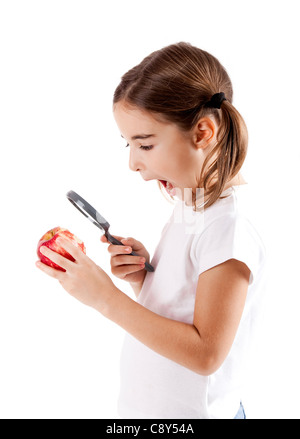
(115, 241)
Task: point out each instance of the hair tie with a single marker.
(216, 100)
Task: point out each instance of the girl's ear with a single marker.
(204, 132)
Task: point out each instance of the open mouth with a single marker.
(169, 187)
(163, 182)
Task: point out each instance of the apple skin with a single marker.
(49, 240)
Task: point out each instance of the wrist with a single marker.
(112, 298)
(103, 303)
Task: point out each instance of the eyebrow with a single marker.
(141, 136)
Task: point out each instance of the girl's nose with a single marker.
(134, 162)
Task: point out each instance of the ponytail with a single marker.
(229, 153)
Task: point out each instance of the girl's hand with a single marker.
(83, 279)
(124, 266)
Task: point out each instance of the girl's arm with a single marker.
(204, 345)
(201, 346)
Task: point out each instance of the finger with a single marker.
(56, 258)
(134, 244)
(128, 240)
(104, 239)
(123, 270)
(127, 260)
(119, 249)
(131, 241)
(118, 237)
(52, 272)
(67, 245)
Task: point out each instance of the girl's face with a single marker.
(160, 150)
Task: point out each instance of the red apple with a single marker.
(49, 240)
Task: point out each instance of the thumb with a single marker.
(104, 239)
(136, 246)
(128, 241)
(132, 242)
(125, 240)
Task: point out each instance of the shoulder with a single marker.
(228, 233)
(230, 218)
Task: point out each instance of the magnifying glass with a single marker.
(91, 213)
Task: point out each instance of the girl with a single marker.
(190, 328)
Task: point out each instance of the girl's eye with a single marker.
(146, 148)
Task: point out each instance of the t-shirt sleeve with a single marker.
(229, 237)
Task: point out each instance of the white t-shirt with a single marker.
(153, 386)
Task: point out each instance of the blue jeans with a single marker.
(241, 413)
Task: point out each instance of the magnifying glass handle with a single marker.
(115, 241)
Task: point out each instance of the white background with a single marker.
(60, 63)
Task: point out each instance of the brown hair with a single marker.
(176, 83)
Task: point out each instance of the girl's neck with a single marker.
(238, 180)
